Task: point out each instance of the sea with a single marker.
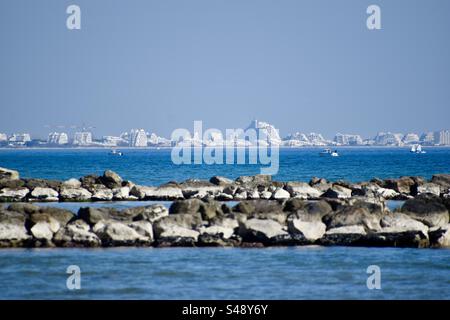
(309, 272)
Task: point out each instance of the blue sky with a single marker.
(159, 65)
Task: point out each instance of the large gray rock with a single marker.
(401, 185)
(443, 180)
(302, 190)
(44, 194)
(103, 195)
(144, 228)
(44, 230)
(220, 181)
(7, 174)
(111, 179)
(259, 179)
(72, 183)
(63, 216)
(11, 195)
(74, 194)
(430, 188)
(337, 192)
(177, 230)
(428, 210)
(94, 215)
(13, 235)
(121, 193)
(268, 232)
(114, 233)
(154, 193)
(76, 234)
(280, 194)
(306, 231)
(258, 206)
(354, 216)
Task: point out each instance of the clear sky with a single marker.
(161, 64)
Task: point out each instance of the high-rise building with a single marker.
(3, 137)
(58, 138)
(20, 138)
(348, 139)
(442, 137)
(82, 138)
(411, 138)
(138, 138)
(389, 139)
(427, 138)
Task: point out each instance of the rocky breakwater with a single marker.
(110, 186)
(420, 222)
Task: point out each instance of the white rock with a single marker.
(121, 193)
(144, 228)
(117, 233)
(72, 183)
(429, 188)
(45, 194)
(15, 194)
(281, 194)
(44, 230)
(10, 232)
(174, 231)
(311, 231)
(399, 222)
(269, 228)
(302, 190)
(7, 174)
(75, 194)
(143, 192)
(266, 195)
(103, 195)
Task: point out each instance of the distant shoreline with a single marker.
(167, 148)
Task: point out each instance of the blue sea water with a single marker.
(152, 167)
(225, 273)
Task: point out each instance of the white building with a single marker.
(58, 138)
(20, 138)
(265, 131)
(389, 139)
(427, 138)
(138, 138)
(442, 137)
(348, 139)
(114, 141)
(411, 138)
(155, 140)
(3, 137)
(82, 138)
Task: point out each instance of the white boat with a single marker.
(417, 148)
(413, 148)
(325, 152)
(335, 153)
(116, 152)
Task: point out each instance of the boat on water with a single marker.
(115, 152)
(329, 152)
(417, 148)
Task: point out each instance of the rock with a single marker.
(11, 184)
(401, 185)
(114, 233)
(44, 230)
(428, 210)
(281, 194)
(265, 195)
(313, 211)
(268, 232)
(354, 216)
(88, 181)
(259, 179)
(177, 229)
(8, 175)
(405, 239)
(94, 215)
(149, 213)
(186, 206)
(72, 183)
(348, 235)
(386, 193)
(257, 206)
(305, 231)
(440, 237)
(144, 228)
(74, 194)
(122, 193)
(153, 193)
(337, 192)
(302, 190)
(11, 195)
(430, 188)
(215, 230)
(111, 179)
(320, 184)
(103, 195)
(442, 180)
(25, 208)
(76, 234)
(199, 189)
(41, 183)
(240, 195)
(294, 204)
(220, 181)
(44, 194)
(63, 216)
(13, 235)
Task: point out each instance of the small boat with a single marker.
(115, 152)
(325, 152)
(417, 148)
(335, 153)
(413, 148)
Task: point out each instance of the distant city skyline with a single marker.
(307, 66)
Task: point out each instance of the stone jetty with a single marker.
(263, 212)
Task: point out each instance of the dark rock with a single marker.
(352, 216)
(220, 181)
(402, 184)
(111, 179)
(427, 209)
